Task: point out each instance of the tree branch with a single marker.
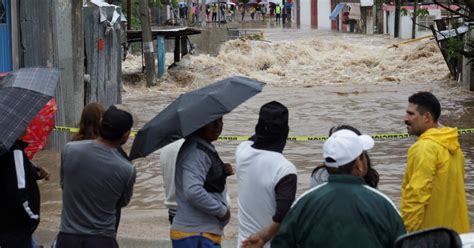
(451, 10)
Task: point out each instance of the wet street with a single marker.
(324, 79)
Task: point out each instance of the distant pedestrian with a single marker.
(278, 12)
(252, 12)
(287, 13)
(344, 212)
(222, 15)
(182, 11)
(266, 179)
(200, 180)
(96, 179)
(214, 10)
(264, 11)
(320, 174)
(208, 12)
(242, 12)
(195, 12)
(272, 11)
(258, 11)
(433, 192)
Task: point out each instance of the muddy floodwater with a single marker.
(324, 79)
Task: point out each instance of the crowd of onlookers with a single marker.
(216, 12)
(343, 207)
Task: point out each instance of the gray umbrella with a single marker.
(191, 111)
(22, 95)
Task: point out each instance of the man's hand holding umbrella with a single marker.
(200, 176)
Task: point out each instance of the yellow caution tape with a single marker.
(66, 129)
(290, 138)
(75, 130)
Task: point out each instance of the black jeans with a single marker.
(15, 240)
(66, 240)
(171, 214)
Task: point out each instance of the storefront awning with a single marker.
(336, 11)
(445, 34)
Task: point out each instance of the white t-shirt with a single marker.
(321, 176)
(168, 155)
(258, 172)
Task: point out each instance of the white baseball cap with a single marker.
(344, 146)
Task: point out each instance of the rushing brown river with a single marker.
(324, 79)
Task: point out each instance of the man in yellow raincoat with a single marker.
(433, 186)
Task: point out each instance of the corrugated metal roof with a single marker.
(441, 35)
(5, 38)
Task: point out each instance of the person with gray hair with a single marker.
(344, 212)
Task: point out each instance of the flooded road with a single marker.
(324, 79)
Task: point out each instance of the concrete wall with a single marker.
(16, 60)
(406, 24)
(388, 19)
(210, 40)
(324, 10)
(467, 78)
(305, 13)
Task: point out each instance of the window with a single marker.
(3, 14)
(426, 21)
(448, 14)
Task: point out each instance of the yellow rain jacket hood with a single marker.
(433, 186)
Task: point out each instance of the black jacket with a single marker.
(20, 204)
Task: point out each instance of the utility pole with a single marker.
(283, 12)
(413, 27)
(129, 14)
(374, 17)
(397, 18)
(190, 11)
(147, 44)
(202, 12)
(298, 13)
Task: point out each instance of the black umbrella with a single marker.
(22, 94)
(191, 111)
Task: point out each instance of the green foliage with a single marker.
(135, 4)
(155, 2)
(243, 1)
(379, 3)
(455, 46)
(422, 12)
(418, 13)
(174, 3)
(150, 2)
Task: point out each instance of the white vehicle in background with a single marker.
(467, 240)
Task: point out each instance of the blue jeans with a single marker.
(195, 242)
